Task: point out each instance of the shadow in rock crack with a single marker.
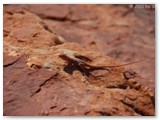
(70, 68)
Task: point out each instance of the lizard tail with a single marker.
(125, 64)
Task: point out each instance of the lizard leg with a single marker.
(86, 72)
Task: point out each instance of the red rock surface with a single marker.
(127, 35)
(38, 82)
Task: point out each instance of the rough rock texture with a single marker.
(124, 34)
(38, 82)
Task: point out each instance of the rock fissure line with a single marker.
(41, 85)
(11, 63)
